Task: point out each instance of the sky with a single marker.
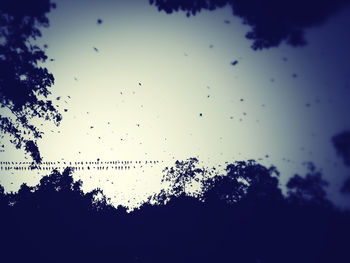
(145, 85)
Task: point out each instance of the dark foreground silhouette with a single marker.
(241, 216)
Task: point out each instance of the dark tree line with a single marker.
(24, 83)
(241, 216)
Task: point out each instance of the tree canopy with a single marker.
(24, 83)
(272, 21)
(56, 222)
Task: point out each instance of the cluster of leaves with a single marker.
(23, 82)
(271, 21)
(181, 179)
(241, 217)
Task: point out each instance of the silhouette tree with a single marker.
(244, 180)
(271, 21)
(182, 177)
(56, 222)
(23, 82)
(308, 189)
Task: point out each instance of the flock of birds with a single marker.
(240, 118)
(234, 63)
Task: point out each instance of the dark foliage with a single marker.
(23, 82)
(309, 188)
(271, 21)
(341, 143)
(244, 182)
(181, 177)
(346, 186)
(241, 217)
